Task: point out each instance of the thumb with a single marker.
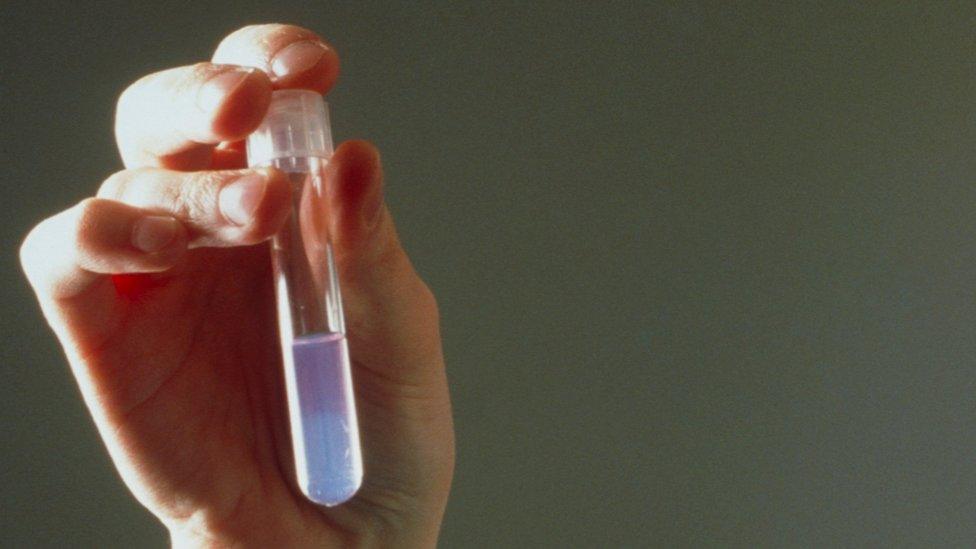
(392, 317)
(394, 343)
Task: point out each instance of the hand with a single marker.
(160, 291)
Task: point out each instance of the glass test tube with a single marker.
(295, 137)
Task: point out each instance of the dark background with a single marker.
(706, 273)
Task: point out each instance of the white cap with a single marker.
(296, 125)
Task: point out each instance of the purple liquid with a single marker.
(325, 432)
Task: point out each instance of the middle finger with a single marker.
(218, 208)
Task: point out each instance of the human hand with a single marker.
(160, 292)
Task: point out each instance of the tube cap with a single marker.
(296, 125)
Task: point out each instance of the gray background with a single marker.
(707, 273)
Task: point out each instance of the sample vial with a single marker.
(295, 138)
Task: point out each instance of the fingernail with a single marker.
(154, 232)
(296, 58)
(239, 200)
(213, 92)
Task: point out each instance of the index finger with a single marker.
(174, 118)
(292, 56)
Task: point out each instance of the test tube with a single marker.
(295, 138)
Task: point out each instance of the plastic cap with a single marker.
(296, 126)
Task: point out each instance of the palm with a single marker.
(200, 407)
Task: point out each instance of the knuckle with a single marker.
(231, 46)
(88, 209)
(201, 68)
(180, 82)
(128, 101)
(26, 252)
(198, 195)
(88, 216)
(198, 72)
(178, 200)
(129, 113)
(125, 98)
(116, 184)
(37, 249)
(132, 103)
(166, 195)
(31, 255)
(259, 40)
(260, 32)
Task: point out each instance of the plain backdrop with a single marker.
(706, 270)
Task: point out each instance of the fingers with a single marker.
(292, 56)
(64, 254)
(144, 220)
(394, 337)
(218, 208)
(354, 177)
(387, 301)
(173, 118)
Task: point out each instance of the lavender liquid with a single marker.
(325, 434)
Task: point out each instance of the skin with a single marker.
(176, 349)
